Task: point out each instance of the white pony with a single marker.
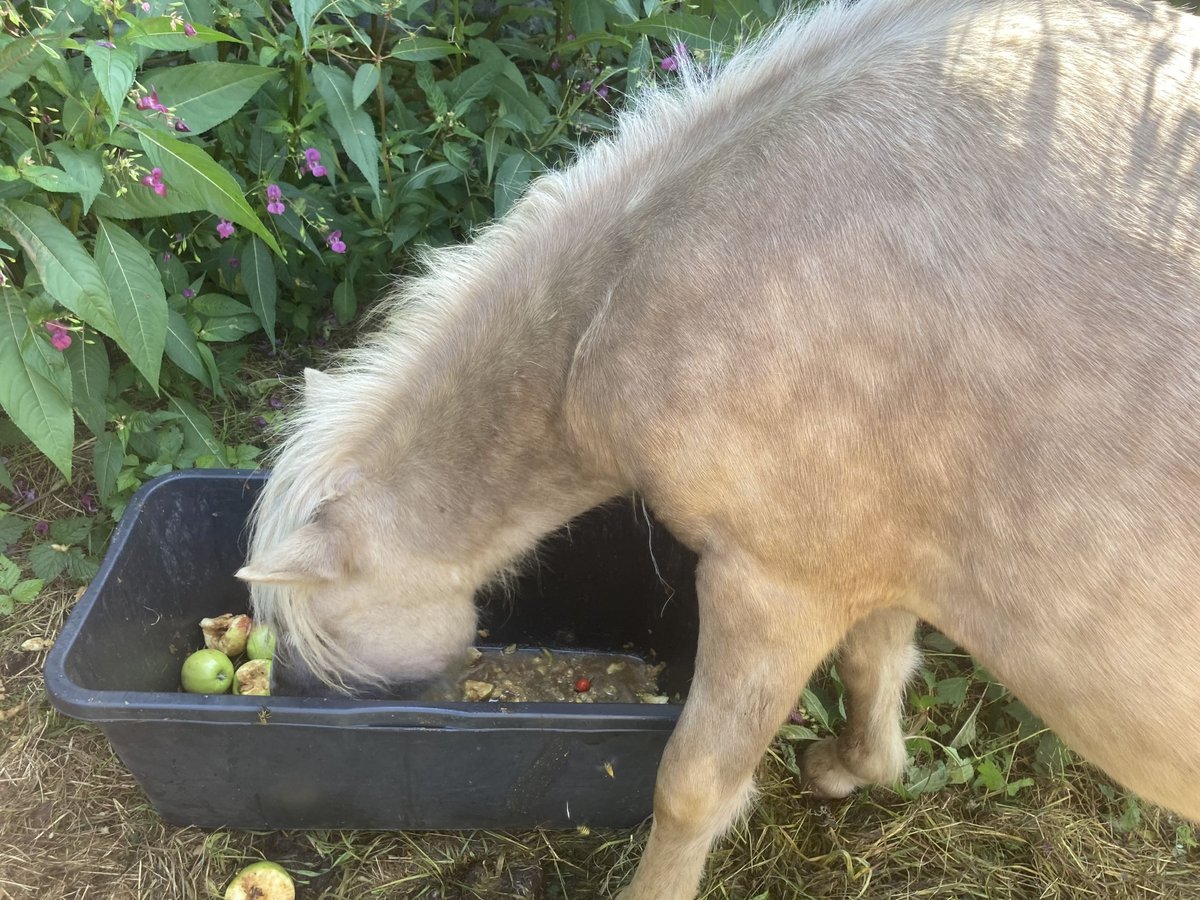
(894, 315)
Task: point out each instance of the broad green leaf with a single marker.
(89, 379)
(511, 178)
(697, 32)
(815, 708)
(11, 527)
(108, 456)
(493, 140)
(345, 303)
(19, 60)
(5, 477)
(587, 16)
(220, 305)
(27, 591)
(952, 691)
(625, 8)
(210, 363)
(42, 357)
(197, 428)
(517, 100)
(139, 202)
(434, 94)
(205, 94)
(79, 566)
(29, 396)
(354, 127)
(6, 605)
(989, 776)
(46, 562)
(138, 297)
(366, 79)
(165, 33)
(967, 733)
(85, 166)
(48, 178)
(229, 328)
(113, 68)
(68, 273)
(791, 732)
(10, 574)
(189, 169)
(304, 12)
(73, 530)
(258, 275)
(414, 48)
(181, 346)
(638, 63)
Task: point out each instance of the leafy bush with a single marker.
(182, 180)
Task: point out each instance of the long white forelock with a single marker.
(328, 425)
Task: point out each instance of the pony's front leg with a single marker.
(760, 641)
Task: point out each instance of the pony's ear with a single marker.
(310, 555)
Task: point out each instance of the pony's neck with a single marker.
(485, 398)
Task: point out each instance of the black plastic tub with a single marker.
(614, 581)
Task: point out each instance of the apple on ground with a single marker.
(207, 672)
(263, 880)
(227, 633)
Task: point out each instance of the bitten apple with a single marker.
(227, 633)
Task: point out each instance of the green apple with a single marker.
(262, 881)
(207, 672)
(227, 633)
(261, 644)
(253, 677)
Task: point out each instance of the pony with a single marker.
(890, 316)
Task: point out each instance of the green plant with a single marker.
(13, 589)
(185, 182)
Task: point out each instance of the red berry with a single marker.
(583, 685)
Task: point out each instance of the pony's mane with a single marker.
(664, 127)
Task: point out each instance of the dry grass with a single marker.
(75, 825)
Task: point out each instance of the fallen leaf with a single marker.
(37, 645)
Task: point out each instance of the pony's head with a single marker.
(359, 602)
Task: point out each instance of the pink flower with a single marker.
(154, 182)
(669, 64)
(60, 338)
(151, 101)
(180, 125)
(312, 163)
(335, 242)
(145, 7)
(188, 293)
(224, 228)
(602, 92)
(189, 29)
(42, 528)
(274, 200)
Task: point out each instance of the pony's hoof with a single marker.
(824, 773)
